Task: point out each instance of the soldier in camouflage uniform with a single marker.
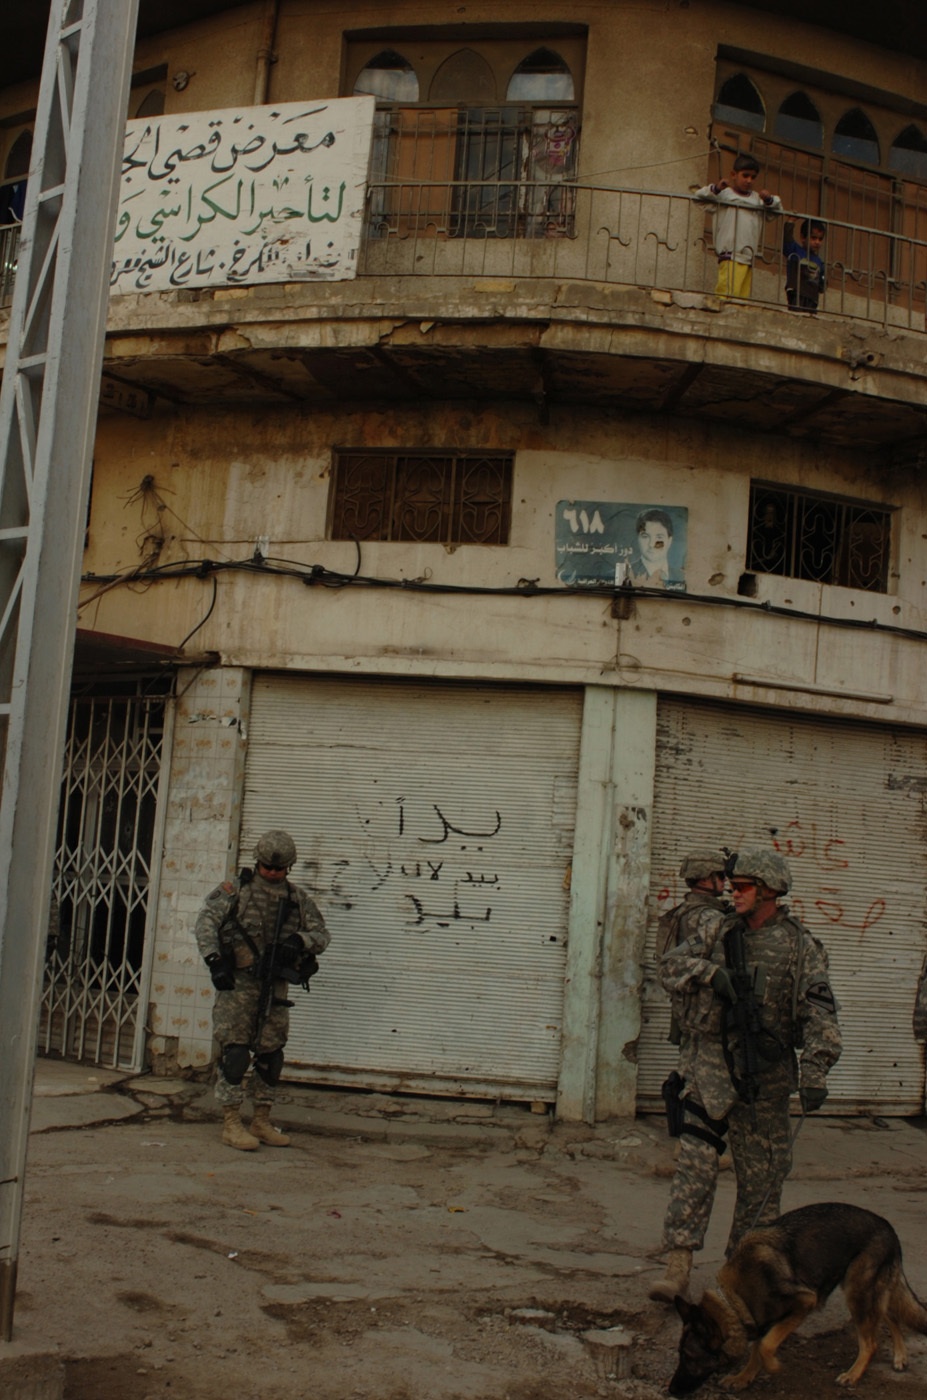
(234, 931)
(787, 967)
(697, 917)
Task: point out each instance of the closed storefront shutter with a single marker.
(844, 803)
(434, 826)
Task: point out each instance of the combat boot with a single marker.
(264, 1131)
(235, 1134)
(676, 1278)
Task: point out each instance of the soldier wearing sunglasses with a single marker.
(257, 933)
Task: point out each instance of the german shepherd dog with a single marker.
(780, 1273)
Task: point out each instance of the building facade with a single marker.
(511, 561)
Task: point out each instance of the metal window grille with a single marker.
(92, 1001)
(825, 539)
(475, 172)
(9, 258)
(438, 498)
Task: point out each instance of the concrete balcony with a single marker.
(593, 296)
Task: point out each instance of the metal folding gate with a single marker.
(109, 834)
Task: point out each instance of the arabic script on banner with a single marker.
(244, 195)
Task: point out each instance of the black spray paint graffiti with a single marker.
(461, 880)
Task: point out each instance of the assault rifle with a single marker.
(742, 1028)
(269, 970)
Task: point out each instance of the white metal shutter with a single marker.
(844, 802)
(434, 826)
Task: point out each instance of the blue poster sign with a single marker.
(604, 544)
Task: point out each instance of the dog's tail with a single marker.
(907, 1307)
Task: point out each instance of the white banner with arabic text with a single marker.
(243, 195)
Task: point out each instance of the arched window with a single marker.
(541, 77)
(909, 153)
(13, 186)
(799, 120)
(855, 137)
(464, 77)
(152, 105)
(740, 102)
(390, 77)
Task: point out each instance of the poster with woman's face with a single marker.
(608, 544)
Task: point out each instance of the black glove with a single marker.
(812, 1096)
(722, 985)
(222, 971)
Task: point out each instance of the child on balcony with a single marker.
(738, 224)
(804, 266)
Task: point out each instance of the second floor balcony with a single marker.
(551, 291)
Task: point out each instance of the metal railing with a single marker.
(631, 238)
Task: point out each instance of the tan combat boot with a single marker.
(264, 1131)
(235, 1134)
(676, 1278)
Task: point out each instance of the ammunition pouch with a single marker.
(237, 944)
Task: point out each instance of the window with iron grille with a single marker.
(427, 497)
(825, 539)
(475, 138)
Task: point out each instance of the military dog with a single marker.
(780, 1273)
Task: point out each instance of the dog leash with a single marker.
(762, 1205)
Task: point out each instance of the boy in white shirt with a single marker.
(738, 224)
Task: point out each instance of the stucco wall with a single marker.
(219, 483)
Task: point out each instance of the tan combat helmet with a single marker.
(275, 848)
(699, 865)
(768, 867)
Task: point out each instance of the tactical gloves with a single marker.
(222, 971)
(722, 985)
(812, 1097)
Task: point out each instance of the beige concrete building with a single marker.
(503, 560)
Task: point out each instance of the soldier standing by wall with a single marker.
(698, 917)
(744, 1065)
(254, 946)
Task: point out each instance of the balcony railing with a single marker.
(628, 238)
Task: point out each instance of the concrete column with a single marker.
(200, 850)
(608, 905)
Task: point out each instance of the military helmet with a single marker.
(768, 867)
(698, 865)
(275, 848)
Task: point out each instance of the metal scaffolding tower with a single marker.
(48, 406)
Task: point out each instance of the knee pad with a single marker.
(269, 1065)
(234, 1062)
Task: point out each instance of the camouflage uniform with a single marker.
(696, 1011)
(797, 1011)
(246, 935)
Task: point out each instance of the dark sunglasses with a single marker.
(743, 884)
(265, 865)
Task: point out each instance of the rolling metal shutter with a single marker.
(844, 803)
(434, 826)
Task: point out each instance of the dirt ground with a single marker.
(399, 1250)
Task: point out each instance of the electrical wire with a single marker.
(312, 574)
